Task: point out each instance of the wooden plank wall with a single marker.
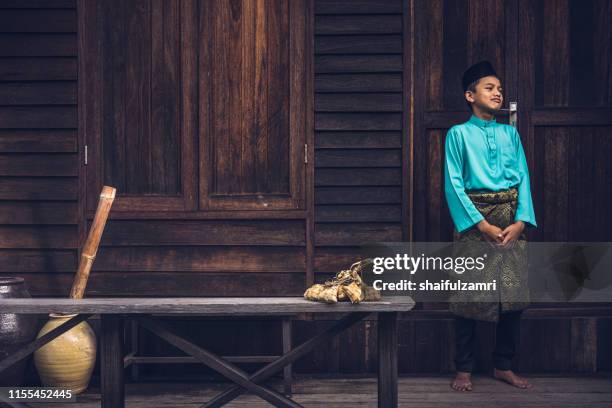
(358, 128)
(38, 140)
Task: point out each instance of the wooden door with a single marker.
(554, 60)
(450, 35)
(138, 111)
(253, 100)
(565, 115)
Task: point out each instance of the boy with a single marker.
(489, 198)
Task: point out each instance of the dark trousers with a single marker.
(505, 333)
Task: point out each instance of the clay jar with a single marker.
(68, 360)
(16, 330)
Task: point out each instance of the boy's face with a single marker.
(488, 96)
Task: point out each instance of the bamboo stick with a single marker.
(88, 254)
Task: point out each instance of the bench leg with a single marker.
(216, 363)
(111, 364)
(286, 349)
(387, 360)
(134, 343)
(300, 351)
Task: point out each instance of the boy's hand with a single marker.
(491, 233)
(511, 233)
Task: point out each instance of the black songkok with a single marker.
(479, 70)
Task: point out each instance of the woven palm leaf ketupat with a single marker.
(88, 254)
(347, 285)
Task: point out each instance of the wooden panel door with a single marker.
(565, 115)
(450, 35)
(553, 58)
(138, 101)
(253, 93)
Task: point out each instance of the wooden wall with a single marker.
(369, 90)
(359, 128)
(39, 194)
(359, 134)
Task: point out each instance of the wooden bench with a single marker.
(114, 311)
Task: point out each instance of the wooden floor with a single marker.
(422, 392)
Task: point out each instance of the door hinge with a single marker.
(305, 153)
(86, 155)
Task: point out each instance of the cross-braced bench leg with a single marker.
(301, 350)
(133, 358)
(216, 363)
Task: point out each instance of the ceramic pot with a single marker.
(68, 360)
(16, 330)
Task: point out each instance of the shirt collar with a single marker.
(482, 123)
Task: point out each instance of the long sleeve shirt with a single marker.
(484, 155)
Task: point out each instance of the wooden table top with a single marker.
(201, 306)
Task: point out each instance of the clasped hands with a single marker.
(497, 237)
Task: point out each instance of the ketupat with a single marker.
(328, 294)
(346, 285)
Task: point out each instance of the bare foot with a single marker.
(462, 382)
(511, 378)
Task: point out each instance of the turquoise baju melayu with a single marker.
(484, 155)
